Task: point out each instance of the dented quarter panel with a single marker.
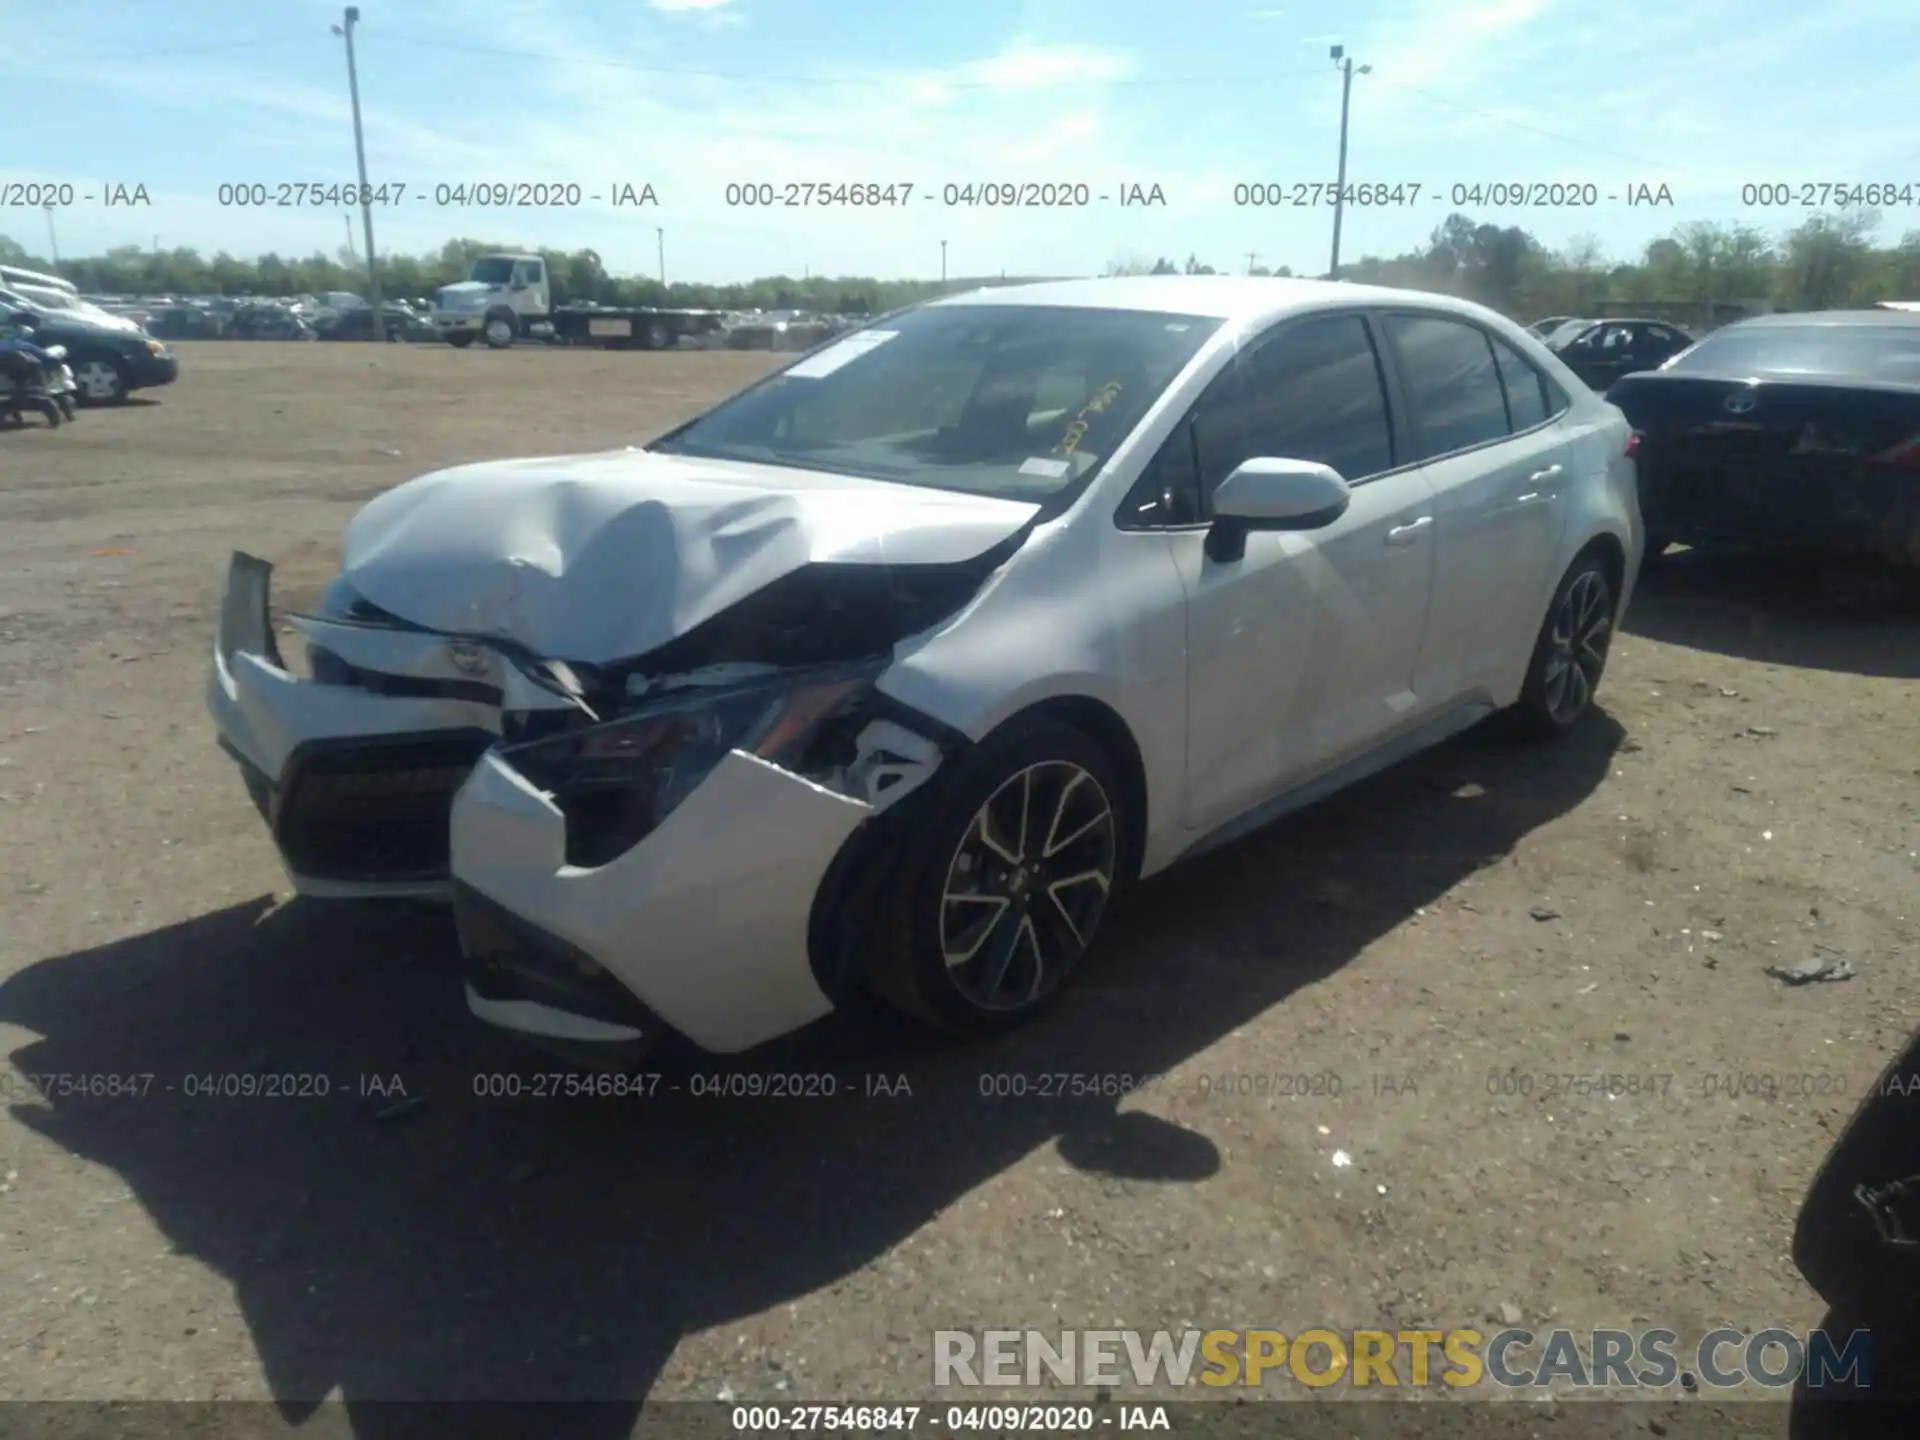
(661, 543)
(705, 920)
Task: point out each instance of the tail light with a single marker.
(1633, 443)
(1904, 456)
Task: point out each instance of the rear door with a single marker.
(1486, 426)
(1303, 651)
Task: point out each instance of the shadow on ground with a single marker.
(1858, 616)
(559, 1249)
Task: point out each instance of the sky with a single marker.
(1195, 98)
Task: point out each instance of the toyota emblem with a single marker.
(467, 657)
(1740, 402)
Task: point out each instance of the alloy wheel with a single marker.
(1582, 630)
(97, 379)
(1027, 885)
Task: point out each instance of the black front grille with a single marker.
(374, 810)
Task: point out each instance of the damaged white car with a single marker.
(883, 676)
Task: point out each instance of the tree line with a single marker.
(1824, 262)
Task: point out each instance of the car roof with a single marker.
(1250, 298)
(1890, 319)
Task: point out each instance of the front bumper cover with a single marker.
(356, 786)
(701, 928)
(705, 921)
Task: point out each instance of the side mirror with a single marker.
(1268, 493)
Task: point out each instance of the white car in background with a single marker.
(883, 676)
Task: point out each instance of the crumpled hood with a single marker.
(597, 558)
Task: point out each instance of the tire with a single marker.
(99, 380)
(68, 406)
(460, 339)
(500, 330)
(1836, 1246)
(948, 893)
(659, 337)
(1570, 655)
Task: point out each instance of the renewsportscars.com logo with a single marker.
(1509, 1359)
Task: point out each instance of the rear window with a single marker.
(1866, 352)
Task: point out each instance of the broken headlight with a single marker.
(616, 781)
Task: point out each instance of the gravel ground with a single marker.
(1436, 949)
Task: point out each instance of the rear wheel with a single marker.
(658, 336)
(1570, 655)
(1002, 881)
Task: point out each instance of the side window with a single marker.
(1452, 382)
(1168, 490)
(526, 273)
(1526, 387)
(1311, 392)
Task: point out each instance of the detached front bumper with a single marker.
(355, 786)
(703, 923)
(701, 927)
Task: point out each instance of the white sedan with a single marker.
(883, 676)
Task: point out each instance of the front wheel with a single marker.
(1002, 881)
(499, 331)
(101, 380)
(1571, 653)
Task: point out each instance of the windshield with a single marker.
(1015, 401)
(494, 270)
(1560, 335)
(48, 299)
(1874, 352)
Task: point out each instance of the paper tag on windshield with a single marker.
(815, 367)
(1039, 465)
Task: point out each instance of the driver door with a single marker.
(1303, 651)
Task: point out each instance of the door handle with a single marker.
(1541, 477)
(1406, 534)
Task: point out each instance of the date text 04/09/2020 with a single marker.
(987, 194)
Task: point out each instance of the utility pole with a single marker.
(943, 262)
(347, 220)
(345, 30)
(660, 242)
(1251, 257)
(1344, 62)
(53, 240)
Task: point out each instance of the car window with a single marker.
(1168, 490)
(1312, 392)
(1615, 337)
(1452, 383)
(1526, 387)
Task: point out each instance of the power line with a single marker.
(199, 49)
(1518, 124)
(760, 77)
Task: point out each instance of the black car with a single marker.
(1791, 431)
(108, 360)
(1604, 350)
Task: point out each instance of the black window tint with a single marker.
(1168, 490)
(1452, 383)
(1313, 392)
(1526, 387)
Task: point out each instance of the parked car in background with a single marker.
(1601, 351)
(784, 330)
(1541, 329)
(1796, 431)
(882, 677)
(109, 357)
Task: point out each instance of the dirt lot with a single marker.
(1748, 795)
